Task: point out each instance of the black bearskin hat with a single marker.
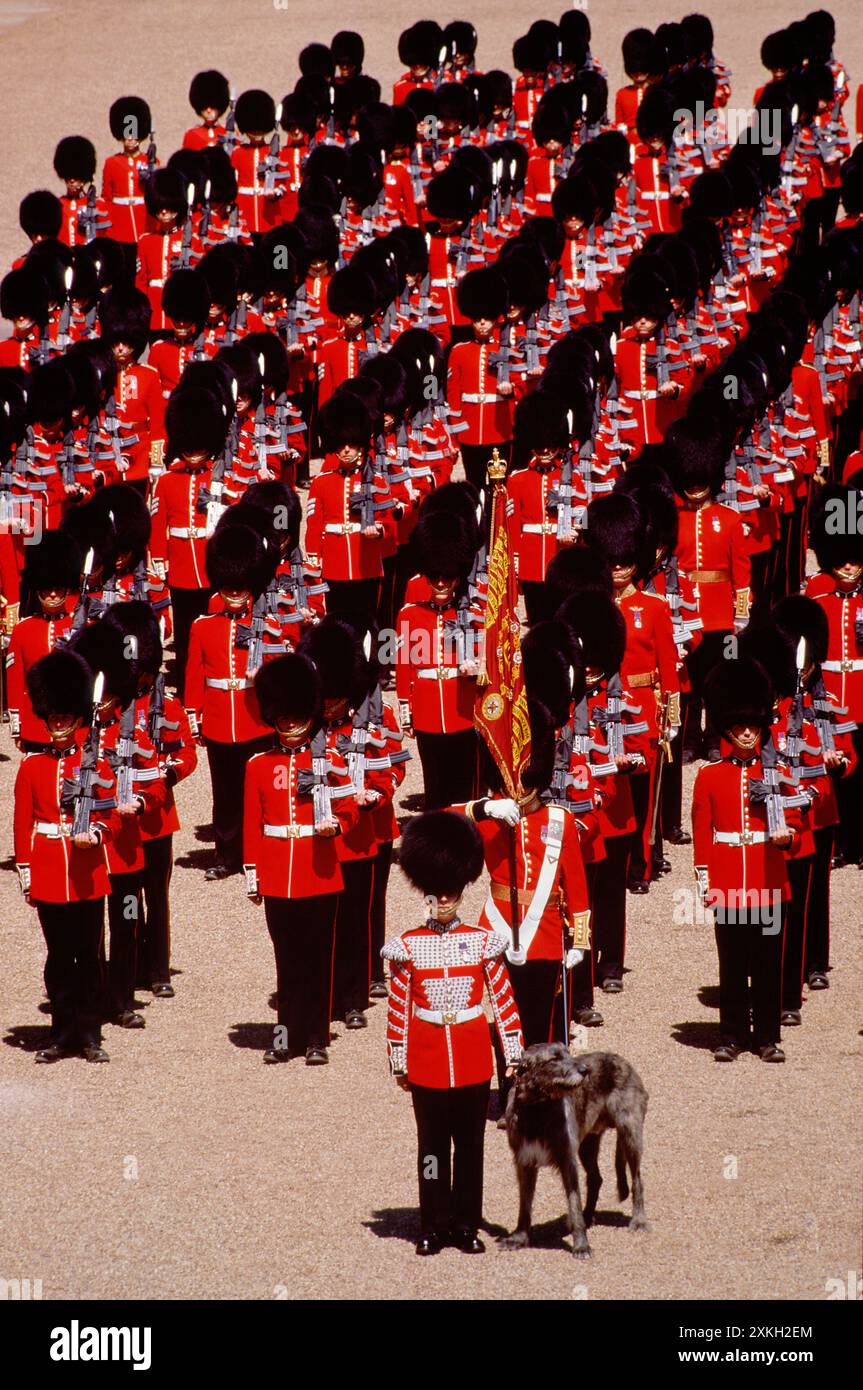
(60, 683)
(738, 692)
(52, 393)
(482, 294)
(348, 49)
(452, 196)
(195, 422)
(237, 560)
(166, 192)
(352, 291)
(695, 457)
(185, 298)
(209, 89)
(137, 620)
(125, 515)
(288, 687)
(833, 534)
(600, 629)
(645, 295)
(639, 49)
(124, 317)
(441, 550)
(24, 295)
(441, 853)
(540, 423)
(40, 214)
(577, 569)
(75, 158)
(553, 668)
(129, 119)
(421, 44)
(255, 112)
(105, 649)
(343, 420)
(53, 563)
(616, 527)
(281, 507)
(539, 771)
(801, 617)
(338, 655)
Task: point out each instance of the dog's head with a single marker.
(547, 1071)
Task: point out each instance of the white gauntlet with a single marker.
(701, 884)
(504, 809)
(23, 877)
(251, 872)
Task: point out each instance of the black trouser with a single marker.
(761, 565)
(534, 986)
(130, 259)
(475, 458)
(800, 879)
(386, 596)
(781, 583)
(124, 915)
(154, 944)
(380, 878)
(228, 777)
(700, 663)
(355, 601)
(671, 793)
(535, 600)
(404, 571)
(817, 939)
(609, 919)
(186, 606)
(797, 526)
(748, 946)
(450, 1187)
(73, 970)
(581, 976)
(639, 783)
(351, 966)
(301, 930)
(849, 797)
(819, 216)
(450, 767)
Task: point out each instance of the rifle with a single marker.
(315, 781)
(229, 139)
(81, 616)
(767, 792)
(124, 754)
(83, 794)
(369, 490)
(823, 716)
(66, 459)
(184, 261)
(611, 718)
(151, 157)
(560, 498)
(672, 705)
(500, 360)
(251, 636)
(270, 165)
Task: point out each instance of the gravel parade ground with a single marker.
(186, 1169)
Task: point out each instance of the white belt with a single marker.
(543, 197)
(540, 528)
(442, 284)
(288, 832)
(481, 398)
(228, 683)
(641, 395)
(438, 673)
(128, 202)
(842, 665)
(655, 197)
(250, 191)
(156, 284)
(342, 528)
(52, 830)
(739, 838)
(188, 533)
(438, 1016)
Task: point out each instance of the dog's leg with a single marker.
(620, 1168)
(631, 1142)
(589, 1155)
(580, 1244)
(520, 1237)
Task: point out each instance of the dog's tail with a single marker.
(620, 1169)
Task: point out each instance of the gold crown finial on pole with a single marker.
(496, 467)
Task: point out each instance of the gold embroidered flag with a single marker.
(500, 712)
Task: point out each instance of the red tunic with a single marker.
(721, 804)
(711, 550)
(31, 639)
(123, 191)
(429, 688)
(334, 530)
(179, 538)
(227, 712)
(843, 668)
(60, 872)
(300, 865)
(443, 973)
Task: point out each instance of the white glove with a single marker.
(574, 957)
(516, 957)
(504, 809)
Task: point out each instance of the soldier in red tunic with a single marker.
(296, 802)
(740, 835)
(479, 388)
(209, 98)
(85, 216)
(167, 728)
(64, 801)
(124, 174)
(226, 648)
(437, 1037)
(49, 591)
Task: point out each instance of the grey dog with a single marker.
(559, 1106)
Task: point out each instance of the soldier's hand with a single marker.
(832, 758)
(129, 808)
(327, 828)
(506, 388)
(403, 1083)
(373, 531)
(255, 898)
(671, 388)
(85, 840)
(782, 841)
(366, 797)
(469, 668)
